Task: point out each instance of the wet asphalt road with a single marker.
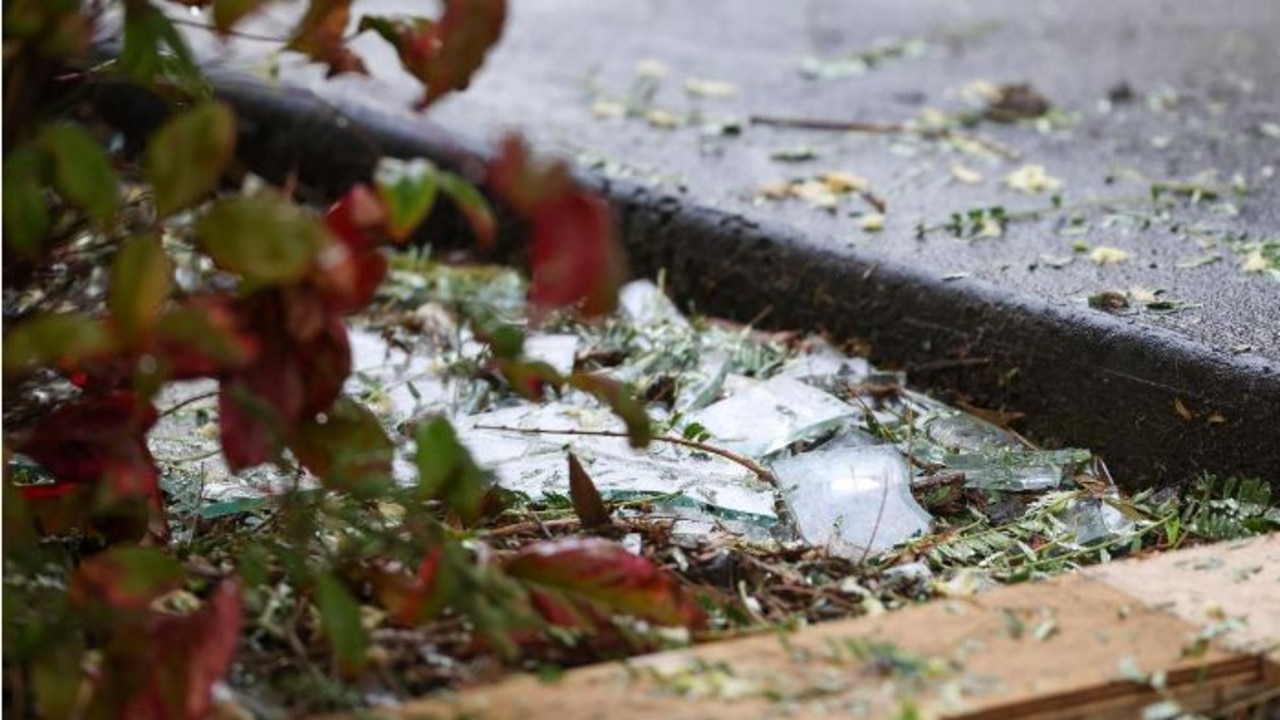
(1174, 93)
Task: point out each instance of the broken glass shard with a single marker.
(958, 432)
(525, 447)
(701, 386)
(825, 367)
(990, 457)
(1091, 519)
(855, 501)
(558, 351)
(1018, 469)
(769, 416)
(644, 304)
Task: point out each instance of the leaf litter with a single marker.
(790, 482)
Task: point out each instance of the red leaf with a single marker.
(320, 36)
(203, 338)
(249, 431)
(466, 31)
(575, 260)
(48, 492)
(226, 13)
(98, 439)
(587, 503)
(324, 364)
(187, 656)
(356, 216)
(349, 278)
(255, 404)
(103, 374)
(303, 313)
(444, 55)
(349, 272)
(304, 360)
(593, 578)
(522, 183)
(126, 578)
(411, 599)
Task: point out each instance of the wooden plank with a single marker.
(1066, 648)
(1212, 585)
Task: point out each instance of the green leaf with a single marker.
(507, 342)
(81, 171)
(408, 189)
(21, 539)
(343, 626)
(447, 472)
(473, 205)
(155, 53)
(26, 209)
(126, 577)
(187, 156)
(530, 378)
(57, 676)
(52, 339)
(348, 451)
(621, 401)
(141, 278)
(265, 239)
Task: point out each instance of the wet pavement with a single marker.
(1135, 220)
(1176, 94)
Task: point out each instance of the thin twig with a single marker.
(836, 125)
(530, 526)
(191, 458)
(188, 401)
(987, 144)
(756, 468)
(938, 480)
(884, 489)
(877, 128)
(542, 526)
(230, 31)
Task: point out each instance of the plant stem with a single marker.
(230, 31)
(877, 128)
(193, 399)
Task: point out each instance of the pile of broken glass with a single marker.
(820, 447)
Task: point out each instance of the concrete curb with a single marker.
(1082, 377)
